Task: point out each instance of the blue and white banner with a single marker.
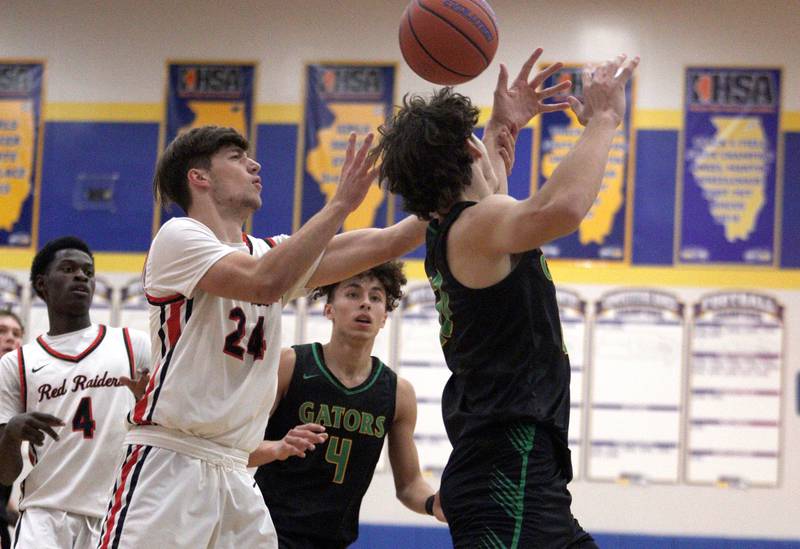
(602, 234)
(21, 90)
(340, 99)
(208, 93)
(727, 199)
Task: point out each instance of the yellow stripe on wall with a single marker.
(103, 112)
(564, 272)
(285, 113)
(278, 114)
(573, 272)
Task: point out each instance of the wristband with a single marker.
(429, 504)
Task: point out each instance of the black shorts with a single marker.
(509, 489)
(294, 540)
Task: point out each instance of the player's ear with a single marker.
(40, 287)
(198, 177)
(328, 311)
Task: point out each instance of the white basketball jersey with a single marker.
(215, 359)
(74, 377)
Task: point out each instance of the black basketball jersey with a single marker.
(319, 496)
(503, 344)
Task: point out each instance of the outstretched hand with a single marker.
(356, 175)
(515, 106)
(604, 89)
(137, 386)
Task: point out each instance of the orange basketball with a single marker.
(448, 41)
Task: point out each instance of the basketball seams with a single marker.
(455, 28)
(431, 57)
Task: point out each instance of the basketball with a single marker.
(448, 41)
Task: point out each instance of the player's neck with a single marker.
(227, 226)
(349, 359)
(60, 324)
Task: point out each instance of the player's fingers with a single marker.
(42, 426)
(364, 149)
(558, 88)
(546, 73)
(47, 418)
(316, 427)
(625, 72)
(506, 161)
(350, 151)
(525, 71)
(575, 105)
(32, 435)
(553, 107)
(502, 79)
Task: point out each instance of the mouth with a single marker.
(364, 319)
(80, 290)
(257, 184)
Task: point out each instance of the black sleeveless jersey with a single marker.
(503, 344)
(319, 496)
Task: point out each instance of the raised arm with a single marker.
(266, 279)
(412, 490)
(515, 106)
(509, 226)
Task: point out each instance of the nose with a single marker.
(254, 166)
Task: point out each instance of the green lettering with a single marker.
(324, 416)
(443, 307)
(337, 416)
(307, 412)
(351, 420)
(339, 456)
(366, 423)
(379, 429)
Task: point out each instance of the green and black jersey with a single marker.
(319, 496)
(503, 344)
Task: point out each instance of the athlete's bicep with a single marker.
(232, 276)
(501, 225)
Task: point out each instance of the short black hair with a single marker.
(189, 150)
(423, 151)
(389, 274)
(45, 256)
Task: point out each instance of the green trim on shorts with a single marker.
(508, 494)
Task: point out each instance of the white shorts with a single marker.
(41, 528)
(185, 497)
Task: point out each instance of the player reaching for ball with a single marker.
(506, 404)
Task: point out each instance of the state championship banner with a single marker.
(339, 99)
(603, 233)
(21, 128)
(208, 93)
(728, 169)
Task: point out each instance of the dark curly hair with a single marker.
(47, 254)
(189, 150)
(423, 151)
(389, 274)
